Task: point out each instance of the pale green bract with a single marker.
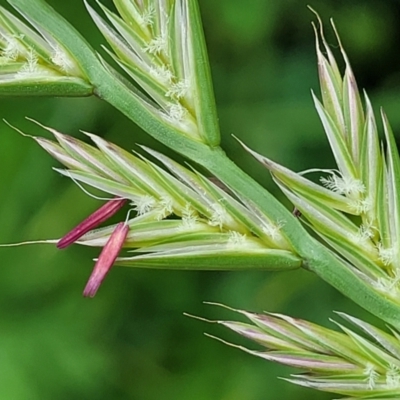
(221, 218)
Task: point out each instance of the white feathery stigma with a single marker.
(162, 74)
(393, 377)
(147, 18)
(164, 207)
(371, 375)
(157, 45)
(189, 217)
(176, 113)
(147, 203)
(236, 240)
(178, 90)
(367, 230)
(362, 206)
(62, 60)
(272, 230)
(363, 236)
(30, 67)
(386, 255)
(13, 49)
(343, 185)
(219, 216)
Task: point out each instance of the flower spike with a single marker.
(93, 220)
(106, 259)
(162, 48)
(183, 219)
(365, 184)
(343, 363)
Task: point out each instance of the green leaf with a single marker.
(176, 37)
(331, 341)
(211, 198)
(132, 36)
(181, 192)
(282, 328)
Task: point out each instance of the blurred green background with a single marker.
(132, 341)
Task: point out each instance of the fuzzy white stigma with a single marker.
(181, 119)
(188, 211)
(272, 230)
(162, 74)
(63, 61)
(157, 45)
(189, 223)
(164, 207)
(147, 18)
(371, 375)
(176, 113)
(362, 206)
(13, 49)
(178, 90)
(219, 216)
(367, 230)
(393, 377)
(30, 67)
(386, 255)
(146, 204)
(363, 236)
(189, 217)
(236, 240)
(343, 185)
